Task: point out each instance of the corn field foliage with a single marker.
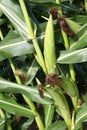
(43, 65)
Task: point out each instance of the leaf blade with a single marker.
(58, 125)
(49, 112)
(13, 12)
(81, 116)
(71, 56)
(30, 92)
(10, 105)
(13, 45)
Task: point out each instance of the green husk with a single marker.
(49, 47)
(62, 104)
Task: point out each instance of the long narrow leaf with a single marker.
(58, 125)
(62, 104)
(2, 123)
(81, 116)
(13, 11)
(26, 124)
(82, 19)
(30, 92)
(49, 113)
(32, 72)
(80, 43)
(42, 1)
(10, 105)
(70, 57)
(73, 25)
(13, 45)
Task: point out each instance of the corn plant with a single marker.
(43, 64)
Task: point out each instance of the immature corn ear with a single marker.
(49, 47)
(70, 87)
(62, 105)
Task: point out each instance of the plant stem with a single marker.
(39, 56)
(59, 10)
(81, 128)
(8, 126)
(72, 72)
(2, 115)
(1, 35)
(29, 102)
(27, 18)
(66, 44)
(31, 31)
(14, 72)
(85, 3)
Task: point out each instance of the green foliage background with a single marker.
(32, 46)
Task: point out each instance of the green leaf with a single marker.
(26, 124)
(75, 42)
(81, 116)
(80, 43)
(69, 86)
(30, 92)
(73, 25)
(49, 46)
(70, 7)
(2, 123)
(82, 31)
(13, 45)
(41, 1)
(10, 105)
(71, 56)
(49, 113)
(82, 19)
(58, 125)
(62, 104)
(13, 12)
(32, 72)
(65, 0)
